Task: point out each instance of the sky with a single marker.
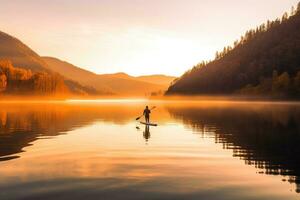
(138, 37)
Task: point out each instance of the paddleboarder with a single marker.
(147, 114)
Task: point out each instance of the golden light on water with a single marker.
(107, 100)
(198, 147)
(85, 133)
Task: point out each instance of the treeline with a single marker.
(248, 65)
(278, 86)
(23, 81)
(251, 34)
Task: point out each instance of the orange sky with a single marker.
(134, 36)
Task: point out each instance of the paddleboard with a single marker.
(148, 124)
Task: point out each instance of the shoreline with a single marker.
(132, 99)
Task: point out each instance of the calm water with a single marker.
(200, 150)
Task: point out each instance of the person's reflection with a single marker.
(146, 133)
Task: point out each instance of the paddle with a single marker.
(143, 114)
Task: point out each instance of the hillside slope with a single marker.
(119, 83)
(265, 61)
(159, 79)
(21, 56)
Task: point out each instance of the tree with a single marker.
(22, 81)
(275, 75)
(218, 55)
(293, 11)
(285, 16)
(3, 82)
(297, 83)
(281, 85)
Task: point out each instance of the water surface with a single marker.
(200, 150)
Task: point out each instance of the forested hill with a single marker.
(22, 71)
(20, 54)
(266, 61)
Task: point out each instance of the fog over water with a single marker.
(200, 149)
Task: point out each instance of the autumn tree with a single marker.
(281, 84)
(21, 81)
(297, 84)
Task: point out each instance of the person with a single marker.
(147, 114)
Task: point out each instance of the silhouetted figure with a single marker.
(147, 133)
(147, 114)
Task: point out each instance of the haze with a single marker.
(134, 36)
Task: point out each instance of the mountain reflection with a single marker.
(264, 135)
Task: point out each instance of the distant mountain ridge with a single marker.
(76, 80)
(15, 56)
(159, 79)
(266, 61)
(20, 54)
(118, 83)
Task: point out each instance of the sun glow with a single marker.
(107, 101)
(141, 51)
(136, 37)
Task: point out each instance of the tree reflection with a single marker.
(266, 136)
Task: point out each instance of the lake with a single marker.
(199, 150)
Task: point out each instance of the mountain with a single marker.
(156, 78)
(16, 57)
(20, 55)
(264, 62)
(118, 83)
